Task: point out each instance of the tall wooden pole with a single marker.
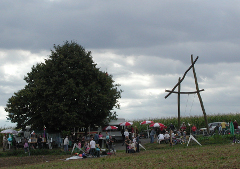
(199, 96)
(179, 102)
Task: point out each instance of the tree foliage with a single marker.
(65, 91)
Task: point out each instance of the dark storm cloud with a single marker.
(145, 45)
(164, 29)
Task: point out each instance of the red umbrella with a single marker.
(146, 122)
(126, 124)
(9, 131)
(110, 128)
(157, 125)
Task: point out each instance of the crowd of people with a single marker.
(164, 133)
(131, 140)
(224, 127)
(92, 145)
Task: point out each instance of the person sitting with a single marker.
(97, 150)
(183, 127)
(87, 147)
(184, 137)
(173, 135)
(160, 138)
(131, 147)
(179, 133)
(166, 137)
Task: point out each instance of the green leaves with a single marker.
(66, 91)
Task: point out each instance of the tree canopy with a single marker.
(65, 91)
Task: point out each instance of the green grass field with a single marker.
(156, 156)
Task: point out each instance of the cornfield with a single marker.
(198, 121)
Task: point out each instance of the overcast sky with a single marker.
(145, 45)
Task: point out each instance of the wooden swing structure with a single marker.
(194, 92)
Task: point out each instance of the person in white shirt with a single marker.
(173, 135)
(92, 147)
(65, 144)
(160, 138)
(166, 136)
(126, 133)
(5, 142)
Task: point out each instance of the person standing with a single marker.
(100, 139)
(235, 124)
(172, 127)
(152, 134)
(231, 127)
(223, 125)
(92, 147)
(126, 134)
(123, 136)
(110, 144)
(219, 129)
(5, 141)
(39, 142)
(194, 129)
(26, 146)
(65, 144)
(96, 138)
(127, 143)
(133, 132)
(183, 127)
(137, 143)
(136, 131)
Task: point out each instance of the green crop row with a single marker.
(198, 121)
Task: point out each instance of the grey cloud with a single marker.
(124, 26)
(157, 36)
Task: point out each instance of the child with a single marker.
(179, 133)
(26, 146)
(87, 147)
(184, 136)
(98, 150)
(79, 144)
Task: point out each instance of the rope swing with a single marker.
(192, 104)
(186, 106)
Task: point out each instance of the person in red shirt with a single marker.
(183, 127)
(194, 129)
(235, 124)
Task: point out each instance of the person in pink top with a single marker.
(100, 135)
(79, 144)
(100, 139)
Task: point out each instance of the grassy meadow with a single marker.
(156, 156)
(217, 151)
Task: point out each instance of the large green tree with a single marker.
(65, 91)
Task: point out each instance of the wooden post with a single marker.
(179, 102)
(199, 96)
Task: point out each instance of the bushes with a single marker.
(216, 139)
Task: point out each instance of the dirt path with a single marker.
(16, 161)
